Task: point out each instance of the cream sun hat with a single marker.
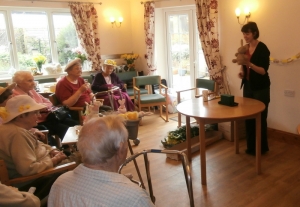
(11, 86)
(110, 62)
(18, 105)
(71, 63)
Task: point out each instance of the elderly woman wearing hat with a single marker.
(71, 90)
(106, 80)
(22, 153)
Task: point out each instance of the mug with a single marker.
(205, 95)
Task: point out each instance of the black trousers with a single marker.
(57, 127)
(263, 96)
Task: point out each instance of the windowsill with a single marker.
(7, 78)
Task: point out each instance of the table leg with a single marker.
(258, 143)
(202, 151)
(236, 137)
(188, 138)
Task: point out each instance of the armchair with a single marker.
(200, 84)
(79, 110)
(5, 179)
(147, 100)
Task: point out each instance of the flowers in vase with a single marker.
(39, 61)
(130, 58)
(79, 53)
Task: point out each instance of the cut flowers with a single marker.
(130, 58)
(39, 61)
(79, 53)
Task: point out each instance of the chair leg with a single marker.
(179, 119)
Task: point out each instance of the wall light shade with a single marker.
(237, 12)
(112, 19)
(247, 15)
(114, 23)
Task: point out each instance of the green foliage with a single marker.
(4, 61)
(66, 40)
(25, 61)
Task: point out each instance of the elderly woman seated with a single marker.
(22, 153)
(25, 86)
(71, 90)
(107, 80)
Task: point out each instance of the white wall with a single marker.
(277, 22)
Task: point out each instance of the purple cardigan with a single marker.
(99, 83)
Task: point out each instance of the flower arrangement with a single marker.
(130, 58)
(79, 53)
(39, 61)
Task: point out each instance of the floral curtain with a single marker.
(86, 23)
(149, 35)
(207, 21)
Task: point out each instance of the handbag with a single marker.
(61, 113)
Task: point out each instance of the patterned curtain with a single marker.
(207, 21)
(149, 35)
(86, 23)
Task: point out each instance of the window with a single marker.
(27, 33)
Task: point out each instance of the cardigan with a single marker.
(261, 58)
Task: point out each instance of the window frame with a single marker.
(7, 12)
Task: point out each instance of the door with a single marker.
(185, 56)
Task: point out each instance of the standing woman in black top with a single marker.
(256, 83)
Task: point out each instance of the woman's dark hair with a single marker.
(251, 27)
(5, 95)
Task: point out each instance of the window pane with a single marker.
(31, 36)
(66, 38)
(5, 62)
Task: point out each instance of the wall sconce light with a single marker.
(113, 22)
(247, 15)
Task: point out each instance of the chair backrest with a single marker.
(90, 78)
(146, 80)
(126, 76)
(46, 80)
(205, 83)
(3, 84)
(53, 99)
(4, 179)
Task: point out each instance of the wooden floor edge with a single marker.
(282, 136)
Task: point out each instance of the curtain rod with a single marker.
(32, 1)
(142, 2)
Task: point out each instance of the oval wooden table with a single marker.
(212, 112)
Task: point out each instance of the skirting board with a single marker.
(286, 137)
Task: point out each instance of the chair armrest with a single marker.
(57, 169)
(125, 85)
(136, 88)
(75, 108)
(189, 89)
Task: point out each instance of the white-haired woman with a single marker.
(25, 86)
(106, 80)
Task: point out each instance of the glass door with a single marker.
(185, 56)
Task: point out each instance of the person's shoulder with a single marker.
(98, 74)
(263, 46)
